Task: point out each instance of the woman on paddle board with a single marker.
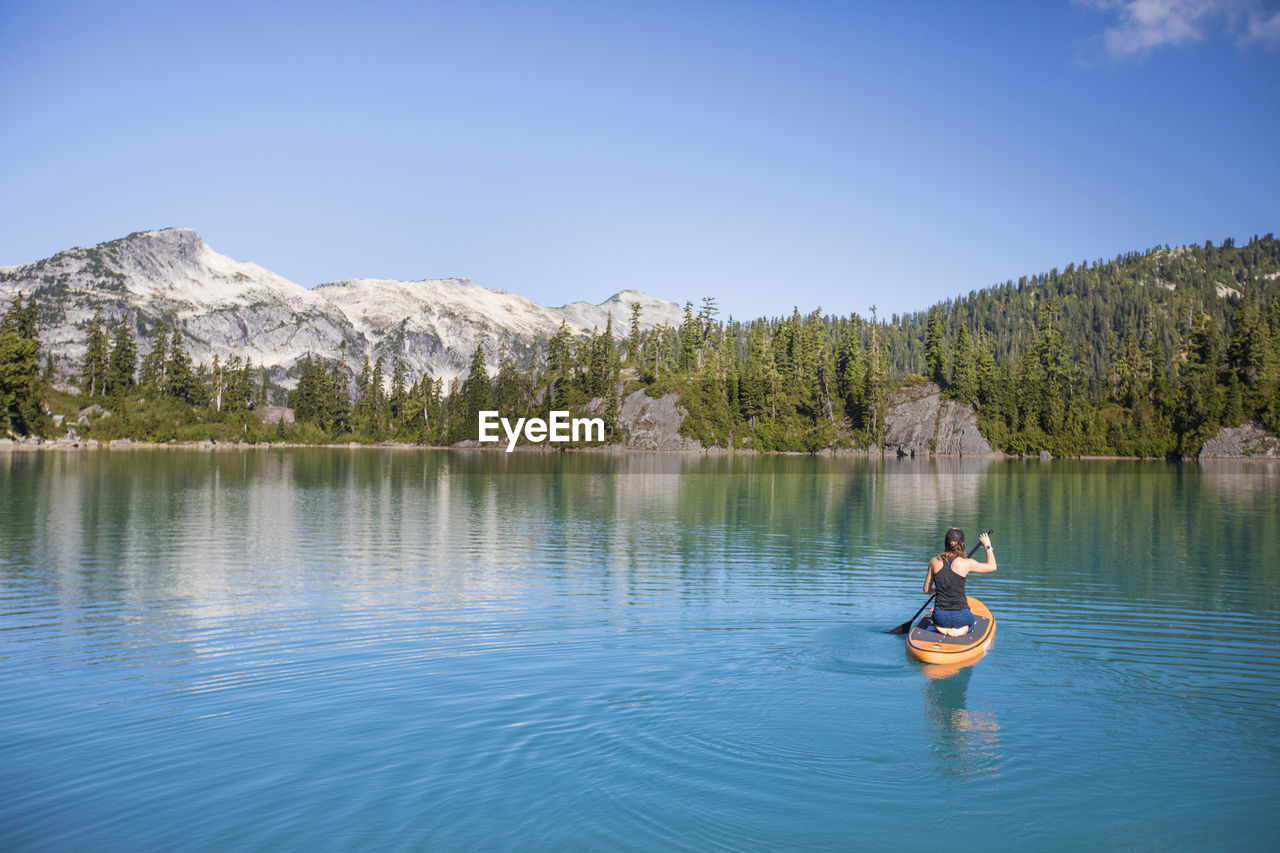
(946, 578)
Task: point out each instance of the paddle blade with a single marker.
(906, 626)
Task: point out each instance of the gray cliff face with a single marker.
(647, 423)
(921, 422)
(1249, 441)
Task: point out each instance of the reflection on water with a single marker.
(460, 650)
(1242, 480)
(967, 741)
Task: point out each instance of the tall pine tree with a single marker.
(20, 369)
(123, 360)
(97, 351)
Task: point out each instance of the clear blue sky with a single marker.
(772, 154)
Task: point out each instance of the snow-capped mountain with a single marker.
(224, 307)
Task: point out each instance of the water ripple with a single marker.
(342, 650)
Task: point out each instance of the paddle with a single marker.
(906, 626)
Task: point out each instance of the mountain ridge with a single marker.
(228, 308)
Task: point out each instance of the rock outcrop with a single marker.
(649, 423)
(920, 422)
(1249, 441)
(272, 415)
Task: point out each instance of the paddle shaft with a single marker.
(906, 626)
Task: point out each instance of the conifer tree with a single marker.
(398, 392)
(1233, 402)
(826, 381)
(874, 393)
(236, 381)
(964, 368)
(690, 340)
(123, 360)
(93, 367)
(364, 390)
(1251, 354)
(726, 356)
(376, 411)
(849, 367)
(1053, 370)
(246, 394)
(434, 410)
(181, 381)
(934, 349)
(1029, 385)
(707, 316)
(152, 374)
(218, 383)
(633, 334)
(992, 382)
(321, 395)
(784, 347)
(612, 409)
(751, 379)
(559, 365)
(476, 393)
(260, 396)
(335, 398)
(377, 392)
(1202, 403)
(509, 385)
(19, 369)
(304, 396)
(602, 367)
(773, 385)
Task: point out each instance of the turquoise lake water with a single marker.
(333, 649)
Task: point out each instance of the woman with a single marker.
(946, 578)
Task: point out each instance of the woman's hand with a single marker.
(990, 564)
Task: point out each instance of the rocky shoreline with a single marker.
(921, 423)
(1248, 441)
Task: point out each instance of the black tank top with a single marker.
(950, 587)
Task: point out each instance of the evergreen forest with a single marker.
(1146, 355)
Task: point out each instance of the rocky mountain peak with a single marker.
(180, 244)
(167, 279)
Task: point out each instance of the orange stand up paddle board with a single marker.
(930, 646)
